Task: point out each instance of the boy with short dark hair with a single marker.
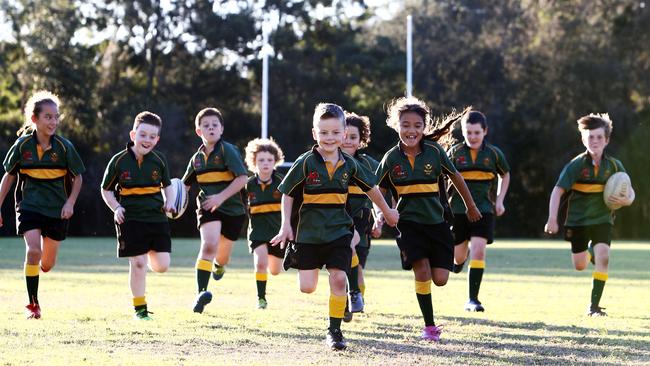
(137, 174)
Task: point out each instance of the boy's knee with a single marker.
(138, 264)
(580, 266)
(46, 267)
(440, 281)
(274, 271)
(307, 289)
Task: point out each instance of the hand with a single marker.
(118, 215)
(551, 226)
(473, 214)
(0, 220)
(284, 235)
(391, 217)
(621, 201)
(500, 208)
(67, 210)
(376, 228)
(212, 202)
(169, 207)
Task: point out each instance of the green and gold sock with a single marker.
(31, 279)
(203, 272)
(423, 292)
(260, 279)
(598, 286)
(353, 275)
(337, 308)
(474, 278)
(139, 303)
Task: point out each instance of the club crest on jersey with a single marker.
(126, 175)
(155, 175)
(313, 178)
(461, 160)
(28, 156)
(54, 157)
(486, 161)
(251, 196)
(217, 160)
(428, 169)
(197, 162)
(398, 172)
(344, 177)
(277, 194)
(585, 172)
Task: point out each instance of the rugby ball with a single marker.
(179, 197)
(618, 184)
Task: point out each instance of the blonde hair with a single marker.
(34, 106)
(262, 145)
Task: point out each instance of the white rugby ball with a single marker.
(619, 185)
(179, 197)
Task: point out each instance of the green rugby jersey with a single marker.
(42, 186)
(584, 184)
(319, 212)
(264, 207)
(480, 175)
(138, 184)
(416, 188)
(215, 172)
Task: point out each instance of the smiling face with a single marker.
(410, 129)
(144, 137)
(352, 140)
(474, 134)
(329, 134)
(594, 140)
(47, 121)
(264, 163)
(210, 129)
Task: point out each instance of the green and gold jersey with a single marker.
(585, 183)
(480, 174)
(320, 192)
(264, 202)
(414, 184)
(138, 184)
(215, 172)
(42, 186)
(357, 199)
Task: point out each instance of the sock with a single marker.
(476, 268)
(423, 292)
(362, 288)
(203, 272)
(260, 279)
(31, 278)
(139, 303)
(353, 275)
(337, 307)
(598, 286)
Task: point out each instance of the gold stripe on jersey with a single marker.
(417, 188)
(139, 191)
(44, 173)
(215, 177)
(269, 207)
(355, 190)
(588, 187)
(477, 175)
(324, 198)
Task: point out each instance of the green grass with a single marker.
(535, 306)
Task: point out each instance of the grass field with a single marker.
(535, 312)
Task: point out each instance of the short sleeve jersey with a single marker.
(319, 212)
(480, 175)
(214, 172)
(357, 199)
(415, 188)
(264, 207)
(42, 185)
(138, 184)
(585, 185)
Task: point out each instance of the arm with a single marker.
(213, 202)
(68, 207)
(286, 233)
(391, 216)
(169, 204)
(7, 181)
(111, 202)
(473, 213)
(504, 183)
(551, 226)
